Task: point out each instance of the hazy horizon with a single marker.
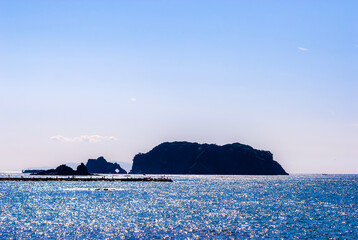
(79, 80)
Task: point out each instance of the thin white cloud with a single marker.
(303, 49)
(356, 46)
(84, 138)
(133, 99)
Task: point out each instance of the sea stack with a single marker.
(195, 158)
(100, 165)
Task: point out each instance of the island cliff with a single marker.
(194, 158)
(100, 165)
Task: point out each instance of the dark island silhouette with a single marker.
(195, 158)
(184, 158)
(64, 170)
(32, 171)
(81, 170)
(100, 165)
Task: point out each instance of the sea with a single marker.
(192, 207)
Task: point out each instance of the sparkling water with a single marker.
(191, 207)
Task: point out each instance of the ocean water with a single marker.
(192, 207)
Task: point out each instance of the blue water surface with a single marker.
(192, 207)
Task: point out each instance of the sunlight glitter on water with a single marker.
(92, 189)
(224, 207)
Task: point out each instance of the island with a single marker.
(100, 165)
(65, 170)
(195, 158)
(66, 173)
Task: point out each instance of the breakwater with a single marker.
(88, 179)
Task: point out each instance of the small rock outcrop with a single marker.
(194, 158)
(32, 171)
(65, 170)
(100, 165)
(82, 170)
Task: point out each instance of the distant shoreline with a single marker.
(87, 179)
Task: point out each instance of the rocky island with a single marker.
(64, 170)
(100, 165)
(195, 158)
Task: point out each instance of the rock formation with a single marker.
(65, 170)
(194, 158)
(82, 170)
(100, 165)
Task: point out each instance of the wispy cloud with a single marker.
(84, 138)
(133, 99)
(303, 49)
(356, 46)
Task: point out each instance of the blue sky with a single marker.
(81, 79)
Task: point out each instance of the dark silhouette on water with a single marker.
(32, 170)
(82, 170)
(87, 179)
(194, 158)
(81, 174)
(65, 171)
(100, 165)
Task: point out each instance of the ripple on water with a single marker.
(223, 207)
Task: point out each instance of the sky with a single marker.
(83, 79)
